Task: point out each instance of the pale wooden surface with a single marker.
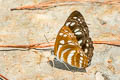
(26, 27)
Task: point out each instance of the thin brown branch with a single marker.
(39, 45)
(55, 3)
(51, 44)
(108, 42)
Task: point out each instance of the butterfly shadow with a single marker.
(61, 65)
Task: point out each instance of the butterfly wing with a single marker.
(72, 42)
(78, 26)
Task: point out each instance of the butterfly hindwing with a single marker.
(67, 49)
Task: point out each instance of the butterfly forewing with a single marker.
(73, 44)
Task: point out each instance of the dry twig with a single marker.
(55, 3)
(51, 44)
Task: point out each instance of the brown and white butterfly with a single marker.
(73, 44)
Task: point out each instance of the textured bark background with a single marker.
(30, 26)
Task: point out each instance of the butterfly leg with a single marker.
(66, 66)
(52, 60)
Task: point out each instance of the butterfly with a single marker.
(73, 44)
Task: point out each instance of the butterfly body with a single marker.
(73, 45)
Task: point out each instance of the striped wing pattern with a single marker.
(73, 44)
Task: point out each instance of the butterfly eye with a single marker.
(73, 44)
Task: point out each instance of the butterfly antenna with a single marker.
(52, 51)
(48, 42)
(46, 38)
